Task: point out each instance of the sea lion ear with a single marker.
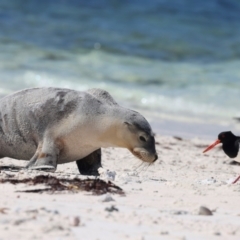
(129, 126)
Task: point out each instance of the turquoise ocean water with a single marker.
(177, 62)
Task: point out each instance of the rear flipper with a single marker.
(90, 164)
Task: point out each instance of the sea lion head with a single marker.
(138, 136)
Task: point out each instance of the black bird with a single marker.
(230, 145)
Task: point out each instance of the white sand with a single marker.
(162, 200)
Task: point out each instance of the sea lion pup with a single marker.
(90, 164)
(51, 126)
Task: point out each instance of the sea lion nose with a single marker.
(156, 157)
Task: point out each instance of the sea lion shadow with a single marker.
(88, 165)
(11, 168)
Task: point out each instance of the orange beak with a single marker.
(212, 146)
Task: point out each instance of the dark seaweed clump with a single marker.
(54, 184)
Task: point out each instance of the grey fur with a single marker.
(50, 126)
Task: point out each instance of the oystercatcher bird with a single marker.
(230, 145)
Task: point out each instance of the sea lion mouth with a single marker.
(143, 155)
(137, 154)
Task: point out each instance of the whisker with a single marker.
(147, 166)
(144, 167)
(137, 167)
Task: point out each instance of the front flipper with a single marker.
(90, 164)
(44, 162)
(44, 159)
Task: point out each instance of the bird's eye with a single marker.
(223, 136)
(142, 139)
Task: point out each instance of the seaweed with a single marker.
(54, 184)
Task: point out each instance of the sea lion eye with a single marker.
(142, 139)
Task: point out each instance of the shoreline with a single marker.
(191, 129)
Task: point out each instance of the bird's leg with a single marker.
(236, 179)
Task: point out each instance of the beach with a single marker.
(161, 201)
(176, 63)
